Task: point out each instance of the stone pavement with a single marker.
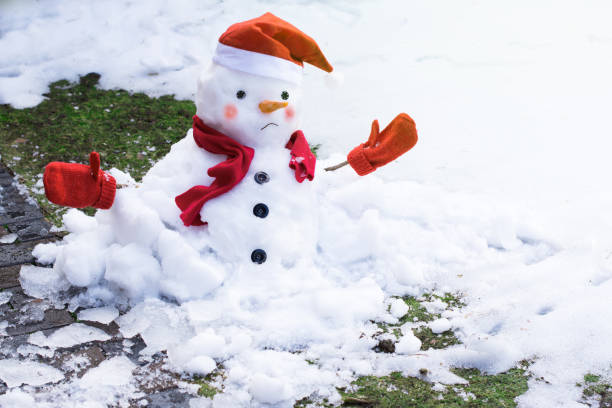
(19, 218)
(23, 226)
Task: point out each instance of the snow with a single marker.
(16, 398)
(5, 296)
(504, 199)
(116, 371)
(3, 326)
(408, 344)
(41, 282)
(397, 307)
(28, 349)
(440, 325)
(15, 372)
(45, 253)
(107, 384)
(8, 238)
(103, 315)
(76, 333)
(269, 390)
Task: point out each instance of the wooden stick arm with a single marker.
(337, 166)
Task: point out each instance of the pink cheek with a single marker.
(289, 113)
(230, 111)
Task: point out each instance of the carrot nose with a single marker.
(271, 106)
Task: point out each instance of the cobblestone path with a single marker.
(22, 227)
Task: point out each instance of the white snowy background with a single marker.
(506, 197)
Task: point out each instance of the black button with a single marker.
(261, 177)
(258, 256)
(261, 210)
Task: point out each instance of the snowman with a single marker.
(252, 93)
(237, 190)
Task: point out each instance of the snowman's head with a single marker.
(251, 92)
(254, 110)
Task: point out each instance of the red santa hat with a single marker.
(270, 47)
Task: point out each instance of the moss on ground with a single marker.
(131, 131)
(315, 149)
(431, 340)
(596, 391)
(417, 313)
(396, 390)
(309, 403)
(208, 384)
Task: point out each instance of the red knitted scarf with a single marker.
(230, 172)
(227, 173)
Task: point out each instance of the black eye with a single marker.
(285, 95)
(240, 94)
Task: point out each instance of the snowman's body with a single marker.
(269, 211)
(237, 225)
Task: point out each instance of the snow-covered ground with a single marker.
(505, 198)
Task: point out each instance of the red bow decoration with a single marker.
(303, 161)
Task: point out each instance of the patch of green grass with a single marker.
(452, 300)
(431, 340)
(417, 313)
(591, 378)
(396, 390)
(131, 131)
(206, 388)
(309, 403)
(596, 389)
(314, 149)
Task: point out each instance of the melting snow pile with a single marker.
(267, 323)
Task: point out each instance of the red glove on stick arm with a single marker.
(382, 147)
(79, 185)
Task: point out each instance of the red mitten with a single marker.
(302, 160)
(396, 139)
(79, 185)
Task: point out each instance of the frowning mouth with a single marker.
(271, 123)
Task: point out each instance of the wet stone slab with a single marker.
(9, 276)
(19, 253)
(5, 180)
(14, 212)
(117, 347)
(78, 362)
(52, 319)
(16, 254)
(169, 398)
(14, 207)
(10, 194)
(26, 315)
(31, 230)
